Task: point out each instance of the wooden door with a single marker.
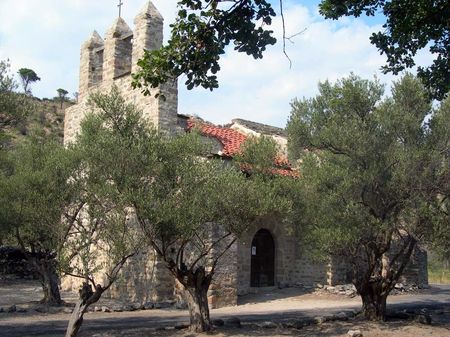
(262, 260)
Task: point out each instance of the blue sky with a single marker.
(45, 35)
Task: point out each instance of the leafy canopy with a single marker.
(201, 31)
(374, 176)
(13, 107)
(165, 178)
(371, 163)
(27, 76)
(410, 26)
(62, 92)
(62, 95)
(190, 209)
(36, 192)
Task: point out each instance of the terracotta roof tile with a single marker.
(232, 141)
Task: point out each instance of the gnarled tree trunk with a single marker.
(197, 302)
(87, 297)
(76, 319)
(50, 285)
(196, 285)
(46, 267)
(378, 277)
(373, 301)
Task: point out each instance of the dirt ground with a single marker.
(334, 329)
(25, 294)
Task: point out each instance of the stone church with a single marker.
(267, 256)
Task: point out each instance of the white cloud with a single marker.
(262, 90)
(46, 35)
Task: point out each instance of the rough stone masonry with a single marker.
(268, 255)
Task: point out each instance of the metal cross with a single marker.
(120, 7)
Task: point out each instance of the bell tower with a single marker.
(112, 60)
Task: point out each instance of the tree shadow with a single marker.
(270, 294)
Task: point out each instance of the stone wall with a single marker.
(416, 272)
(339, 271)
(292, 265)
(108, 62)
(13, 263)
(143, 278)
(223, 289)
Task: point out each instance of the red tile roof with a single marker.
(232, 141)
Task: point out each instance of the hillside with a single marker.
(44, 115)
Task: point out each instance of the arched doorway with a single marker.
(262, 260)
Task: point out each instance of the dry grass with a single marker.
(439, 275)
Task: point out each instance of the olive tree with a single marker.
(39, 204)
(66, 219)
(372, 173)
(191, 210)
(101, 241)
(13, 107)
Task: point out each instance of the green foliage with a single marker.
(62, 93)
(439, 138)
(438, 275)
(190, 209)
(165, 179)
(27, 77)
(62, 96)
(201, 31)
(36, 192)
(438, 270)
(258, 154)
(368, 164)
(410, 26)
(13, 107)
(374, 173)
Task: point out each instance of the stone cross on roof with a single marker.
(120, 7)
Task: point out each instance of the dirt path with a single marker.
(336, 329)
(276, 306)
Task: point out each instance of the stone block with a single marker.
(106, 309)
(218, 322)
(149, 305)
(181, 326)
(424, 319)
(233, 322)
(67, 310)
(268, 325)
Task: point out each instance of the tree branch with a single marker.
(284, 34)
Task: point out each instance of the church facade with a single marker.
(267, 255)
